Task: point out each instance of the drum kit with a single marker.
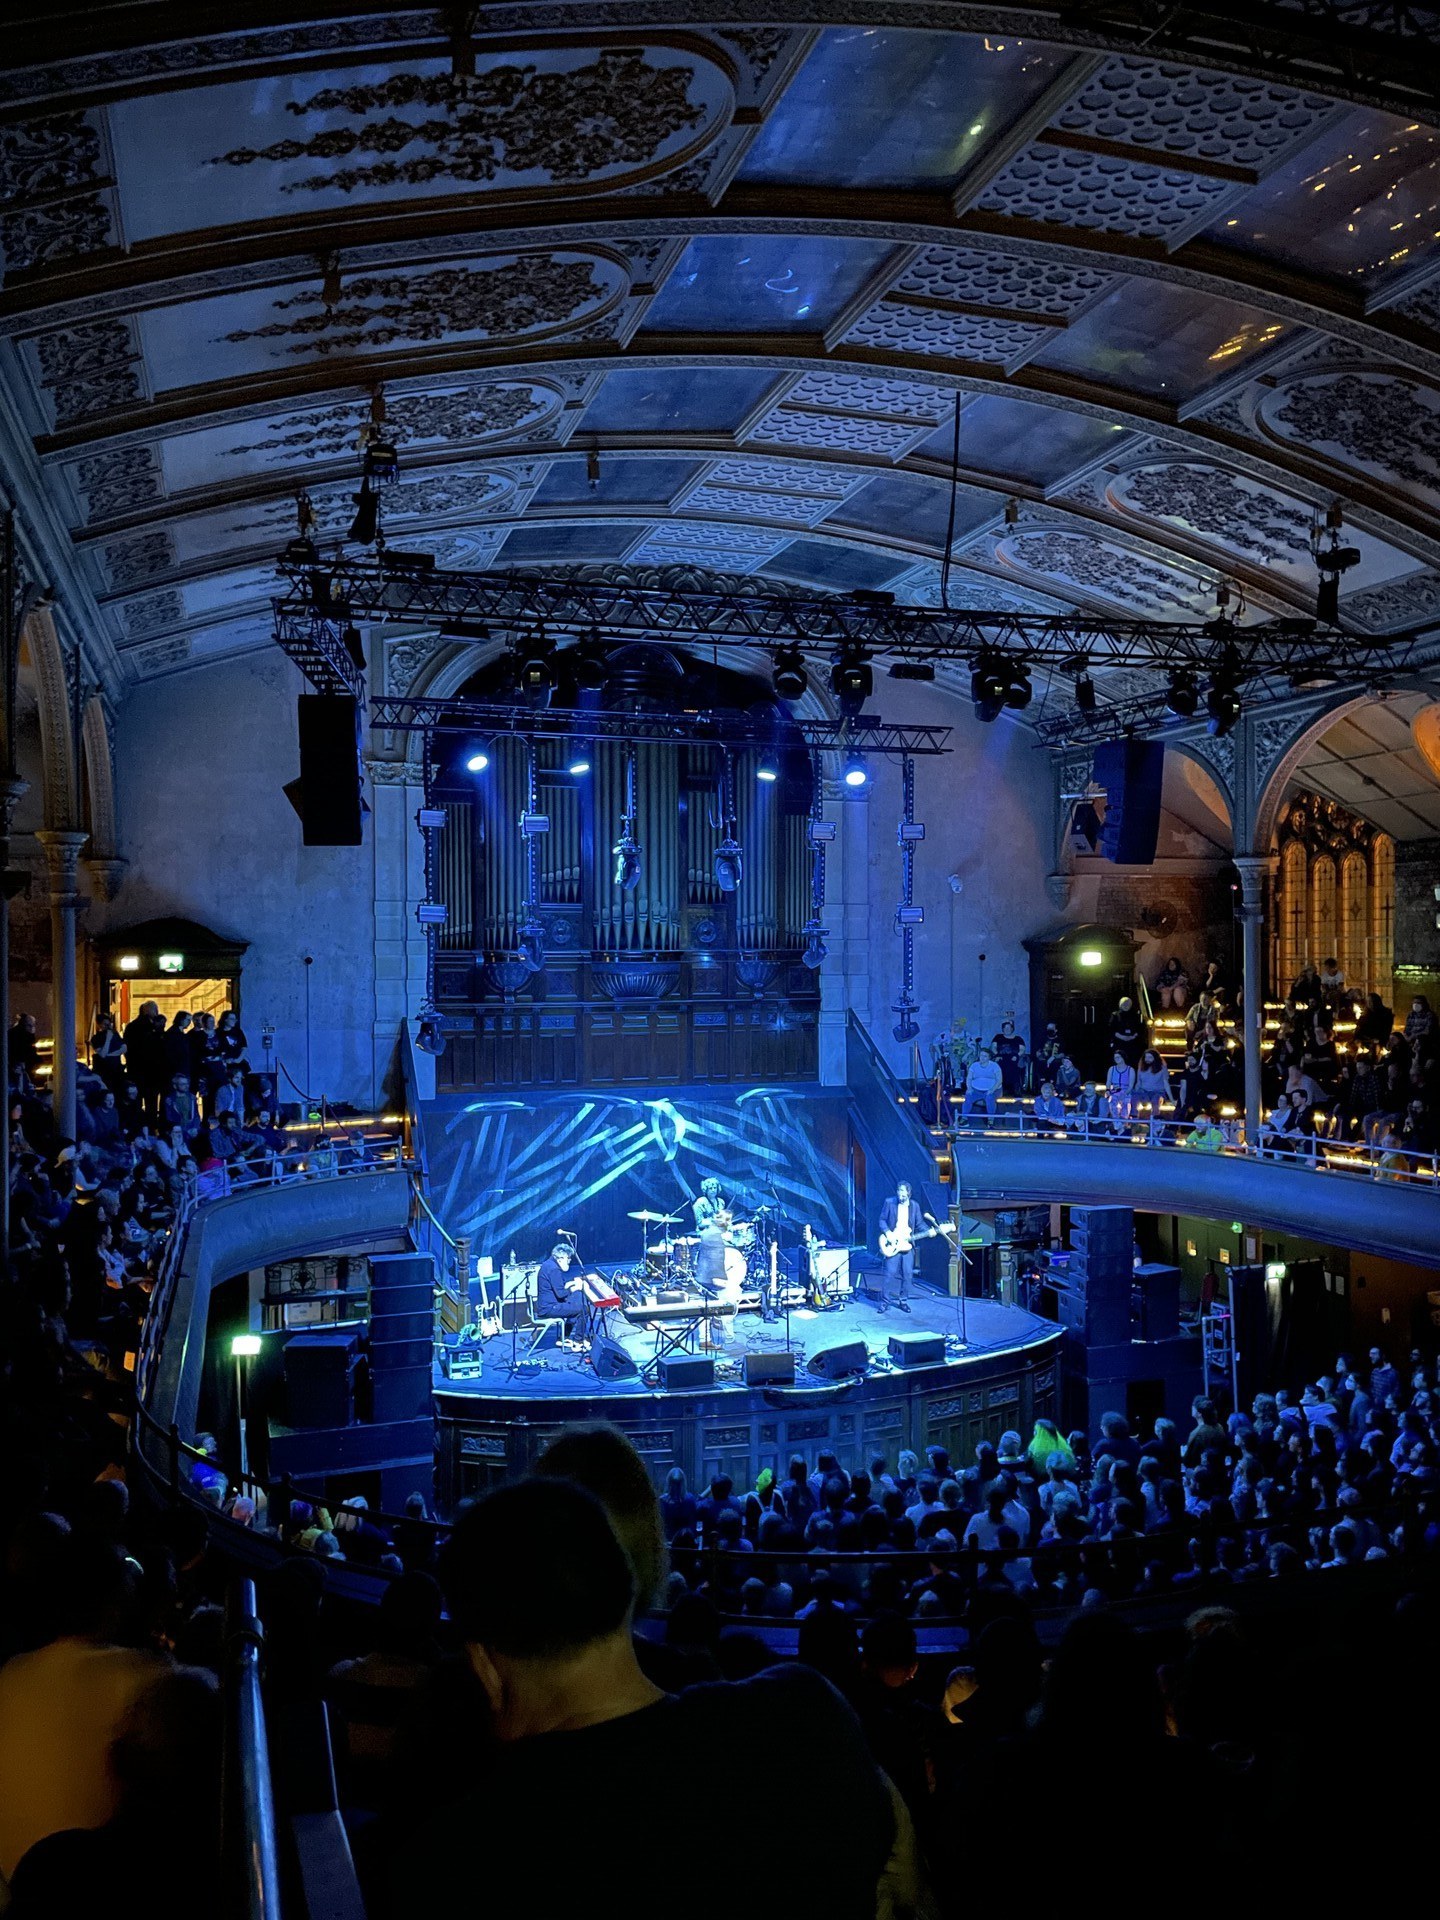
(668, 1260)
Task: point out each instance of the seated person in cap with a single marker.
(559, 1290)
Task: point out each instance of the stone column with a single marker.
(62, 852)
(1254, 870)
(12, 791)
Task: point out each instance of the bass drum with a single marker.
(742, 1235)
(728, 1292)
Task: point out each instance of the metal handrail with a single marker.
(1348, 1158)
(250, 1854)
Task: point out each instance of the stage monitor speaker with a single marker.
(769, 1369)
(838, 1363)
(514, 1313)
(330, 802)
(917, 1349)
(686, 1370)
(611, 1361)
(1132, 773)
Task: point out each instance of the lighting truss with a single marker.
(320, 601)
(726, 726)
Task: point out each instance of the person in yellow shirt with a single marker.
(60, 1706)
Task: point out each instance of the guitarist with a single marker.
(900, 1221)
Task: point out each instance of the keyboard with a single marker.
(659, 1312)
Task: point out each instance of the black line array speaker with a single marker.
(612, 1362)
(402, 1334)
(320, 1378)
(330, 805)
(1159, 1301)
(1132, 773)
(837, 1363)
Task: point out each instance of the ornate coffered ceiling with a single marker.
(1184, 297)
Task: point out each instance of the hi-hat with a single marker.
(655, 1219)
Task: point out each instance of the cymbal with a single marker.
(655, 1219)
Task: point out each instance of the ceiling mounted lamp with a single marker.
(852, 680)
(989, 685)
(1182, 695)
(790, 678)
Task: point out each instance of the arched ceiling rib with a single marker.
(751, 264)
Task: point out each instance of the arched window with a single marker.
(1382, 917)
(1322, 908)
(1294, 899)
(1353, 933)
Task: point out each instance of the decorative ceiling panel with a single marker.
(966, 277)
(1018, 440)
(766, 283)
(893, 327)
(836, 432)
(710, 545)
(56, 195)
(695, 399)
(1204, 115)
(1058, 186)
(836, 567)
(543, 120)
(1160, 340)
(1104, 569)
(1371, 423)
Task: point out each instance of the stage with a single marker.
(494, 1424)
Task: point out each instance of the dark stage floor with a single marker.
(989, 1329)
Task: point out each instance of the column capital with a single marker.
(62, 850)
(106, 871)
(1254, 870)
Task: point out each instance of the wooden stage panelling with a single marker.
(495, 1426)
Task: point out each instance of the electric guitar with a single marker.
(900, 1239)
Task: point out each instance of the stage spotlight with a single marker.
(536, 675)
(1086, 698)
(767, 768)
(587, 663)
(989, 684)
(1018, 689)
(1222, 703)
(430, 1037)
(366, 524)
(577, 757)
(854, 772)
(729, 865)
(815, 948)
(476, 758)
(852, 680)
(1182, 696)
(380, 461)
(628, 864)
(791, 679)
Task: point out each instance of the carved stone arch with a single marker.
(42, 649)
(1282, 741)
(99, 772)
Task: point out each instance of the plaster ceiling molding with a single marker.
(538, 121)
(1206, 116)
(837, 433)
(122, 481)
(1218, 753)
(679, 577)
(153, 614)
(1107, 569)
(497, 298)
(1058, 186)
(55, 202)
(966, 277)
(89, 369)
(1422, 306)
(452, 416)
(894, 327)
(1372, 423)
(1232, 512)
(1413, 601)
(673, 542)
(846, 413)
(765, 56)
(129, 563)
(159, 656)
(405, 659)
(767, 490)
(969, 592)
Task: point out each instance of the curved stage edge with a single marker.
(496, 1426)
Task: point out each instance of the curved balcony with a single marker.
(1342, 1197)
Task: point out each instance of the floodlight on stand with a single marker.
(1182, 696)
(815, 948)
(911, 830)
(244, 1346)
(790, 679)
(906, 1028)
(854, 771)
(852, 680)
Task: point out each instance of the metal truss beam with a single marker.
(324, 597)
(726, 726)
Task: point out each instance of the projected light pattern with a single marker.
(508, 1174)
